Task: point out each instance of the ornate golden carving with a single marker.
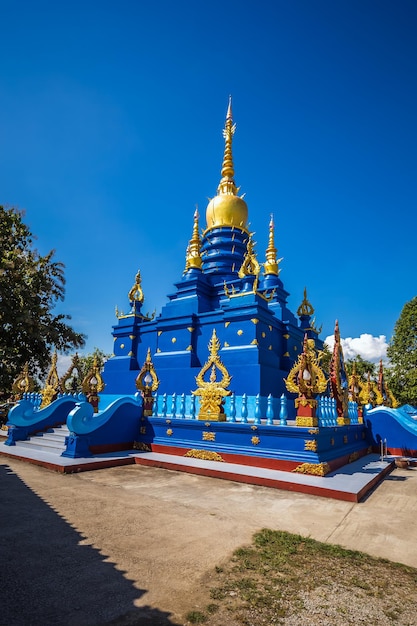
(254, 320)
(370, 394)
(316, 469)
(255, 441)
(212, 392)
(147, 382)
(52, 386)
(338, 380)
(310, 444)
(205, 455)
(306, 376)
(354, 456)
(305, 307)
(190, 329)
(169, 432)
(136, 293)
(226, 324)
(239, 332)
(305, 421)
(71, 380)
(209, 436)
(92, 385)
(250, 265)
(23, 383)
(174, 340)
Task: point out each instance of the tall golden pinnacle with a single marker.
(193, 257)
(227, 208)
(271, 263)
(227, 183)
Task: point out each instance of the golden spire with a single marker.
(227, 208)
(193, 257)
(227, 183)
(305, 307)
(271, 264)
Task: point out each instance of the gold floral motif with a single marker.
(255, 440)
(169, 432)
(310, 444)
(208, 436)
(254, 320)
(254, 427)
(139, 445)
(205, 455)
(316, 469)
(240, 332)
(313, 431)
(304, 422)
(353, 457)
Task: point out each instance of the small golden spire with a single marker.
(271, 264)
(305, 307)
(193, 257)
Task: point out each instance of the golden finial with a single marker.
(271, 264)
(227, 183)
(52, 385)
(193, 257)
(305, 307)
(227, 208)
(136, 293)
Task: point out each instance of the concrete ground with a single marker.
(129, 545)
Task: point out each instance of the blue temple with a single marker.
(223, 287)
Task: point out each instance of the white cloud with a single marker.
(63, 363)
(367, 346)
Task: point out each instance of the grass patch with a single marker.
(281, 574)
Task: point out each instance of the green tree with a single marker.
(363, 367)
(87, 360)
(402, 352)
(30, 287)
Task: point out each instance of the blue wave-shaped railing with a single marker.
(24, 419)
(397, 426)
(116, 427)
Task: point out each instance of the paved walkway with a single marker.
(85, 549)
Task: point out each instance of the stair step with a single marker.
(39, 445)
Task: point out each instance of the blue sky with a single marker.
(110, 123)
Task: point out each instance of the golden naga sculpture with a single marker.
(250, 265)
(213, 392)
(338, 380)
(386, 393)
(147, 382)
(23, 383)
(92, 385)
(71, 380)
(307, 379)
(355, 387)
(52, 386)
(370, 393)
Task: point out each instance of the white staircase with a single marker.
(51, 441)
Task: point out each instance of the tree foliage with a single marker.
(362, 366)
(30, 287)
(402, 352)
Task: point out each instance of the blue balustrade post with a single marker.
(233, 407)
(174, 405)
(283, 412)
(192, 407)
(244, 410)
(182, 406)
(164, 405)
(257, 410)
(155, 405)
(270, 411)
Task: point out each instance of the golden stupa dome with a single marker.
(227, 208)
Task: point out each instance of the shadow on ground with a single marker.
(48, 577)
